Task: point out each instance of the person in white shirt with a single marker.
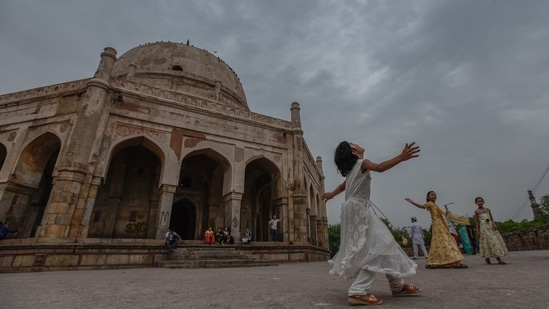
(416, 233)
(273, 223)
(172, 239)
(247, 237)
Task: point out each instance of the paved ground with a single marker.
(522, 283)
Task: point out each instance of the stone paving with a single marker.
(522, 283)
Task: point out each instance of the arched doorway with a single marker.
(183, 219)
(200, 194)
(261, 198)
(32, 185)
(126, 204)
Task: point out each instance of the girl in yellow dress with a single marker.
(443, 252)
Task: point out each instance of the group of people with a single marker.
(224, 237)
(444, 250)
(220, 237)
(367, 245)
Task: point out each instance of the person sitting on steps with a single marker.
(246, 240)
(172, 239)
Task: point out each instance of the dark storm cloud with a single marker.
(464, 79)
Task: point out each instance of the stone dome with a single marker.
(182, 68)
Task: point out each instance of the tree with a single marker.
(399, 233)
(334, 231)
(544, 206)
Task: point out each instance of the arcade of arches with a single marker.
(143, 146)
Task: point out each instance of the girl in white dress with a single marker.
(490, 241)
(367, 246)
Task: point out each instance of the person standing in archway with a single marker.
(273, 223)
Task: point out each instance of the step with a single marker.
(212, 257)
(214, 263)
(215, 255)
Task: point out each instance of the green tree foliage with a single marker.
(544, 205)
(334, 238)
(399, 234)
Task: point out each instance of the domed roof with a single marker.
(182, 68)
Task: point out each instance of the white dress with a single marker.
(366, 242)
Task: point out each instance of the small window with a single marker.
(177, 68)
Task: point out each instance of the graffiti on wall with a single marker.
(136, 227)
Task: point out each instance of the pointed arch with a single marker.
(30, 184)
(34, 158)
(259, 203)
(204, 178)
(127, 204)
(136, 141)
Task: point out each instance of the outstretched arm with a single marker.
(409, 200)
(329, 195)
(410, 151)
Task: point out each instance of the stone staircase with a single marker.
(212, 257)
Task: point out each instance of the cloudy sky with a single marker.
(466, 80)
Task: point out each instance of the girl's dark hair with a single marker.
(478, 197)
(344, 158)
(427, 197)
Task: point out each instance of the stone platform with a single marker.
(88, 254)
(522, 283)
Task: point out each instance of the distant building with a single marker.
(160, 136)
(534, 205)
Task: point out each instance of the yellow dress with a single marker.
(443, 250)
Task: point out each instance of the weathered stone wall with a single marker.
(21, 255)
(535, 238)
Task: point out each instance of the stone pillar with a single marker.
(88, 207)
(57, 218)
(296, 115)
(164, 210)
(325, 237)
(298, 197)
(73, 166)
(299, 201)
(233, 203)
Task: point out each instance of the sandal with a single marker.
(407, 290)
(460, 266)
(487, 261)
(367, 299)
(501, 262)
